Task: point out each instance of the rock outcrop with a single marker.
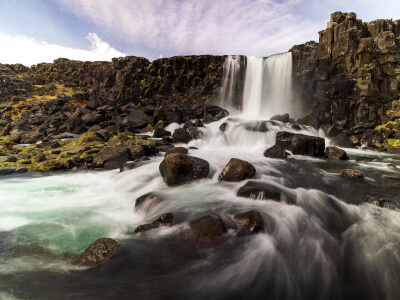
(351, 78)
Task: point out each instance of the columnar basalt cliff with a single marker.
(352, 77)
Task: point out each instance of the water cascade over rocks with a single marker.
(219, 217)
(267, 87)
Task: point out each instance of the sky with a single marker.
(35, 31)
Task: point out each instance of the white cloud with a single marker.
(251, 27)
(28, 51)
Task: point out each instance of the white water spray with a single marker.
(268, 89)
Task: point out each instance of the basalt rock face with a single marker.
(191, 79)
(352, 76)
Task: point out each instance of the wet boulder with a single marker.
(336, 153)
(258, 190)
(275, 151)
(178, 168)
(300, 144)
(342, 140)
(282, 118)
(159, 133)
(181, 135)
(237, 170)
(147, 201)
(381, 202)
(250, 222)
(99, 252)
(206, 231)
(111, 157)
(182, 150)
(351, 174)
(164, 220)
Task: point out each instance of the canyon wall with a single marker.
(351, 77)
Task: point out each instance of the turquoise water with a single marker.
(321, 241)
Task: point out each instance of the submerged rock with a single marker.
(381, 202)
(275, 151)
(164, 220)
(99, 252)
(178, 168)
(301, 144)
(237, 170)
(134, 164)
(258, 190)
(251, 222)
(352, 174)
(148, 201)
(336, 153)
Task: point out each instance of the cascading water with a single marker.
(268, 89)
(230, 75)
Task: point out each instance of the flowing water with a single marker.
(320, 242)
(267, 87)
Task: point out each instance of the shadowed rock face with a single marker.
(350, 78)
(178, 168)
(237, 170)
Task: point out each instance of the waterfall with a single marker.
(267, 89)
(229, 96)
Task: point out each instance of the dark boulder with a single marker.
(381, 202)
(99, 252)
(237, 170)
(112, 157)
(159, 133)
(178, 168)
(336, 153)
(207, 231)
(147, 201)
(182, 150)
(223, 127)
(258, 190)
(250, 222)
(301, 144)
(164, 220)
(181, 135)
(275, 151)
(351, 174)
(282, 118)
(342, 140)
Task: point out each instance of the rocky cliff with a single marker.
(351, 78)
(128, 79)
